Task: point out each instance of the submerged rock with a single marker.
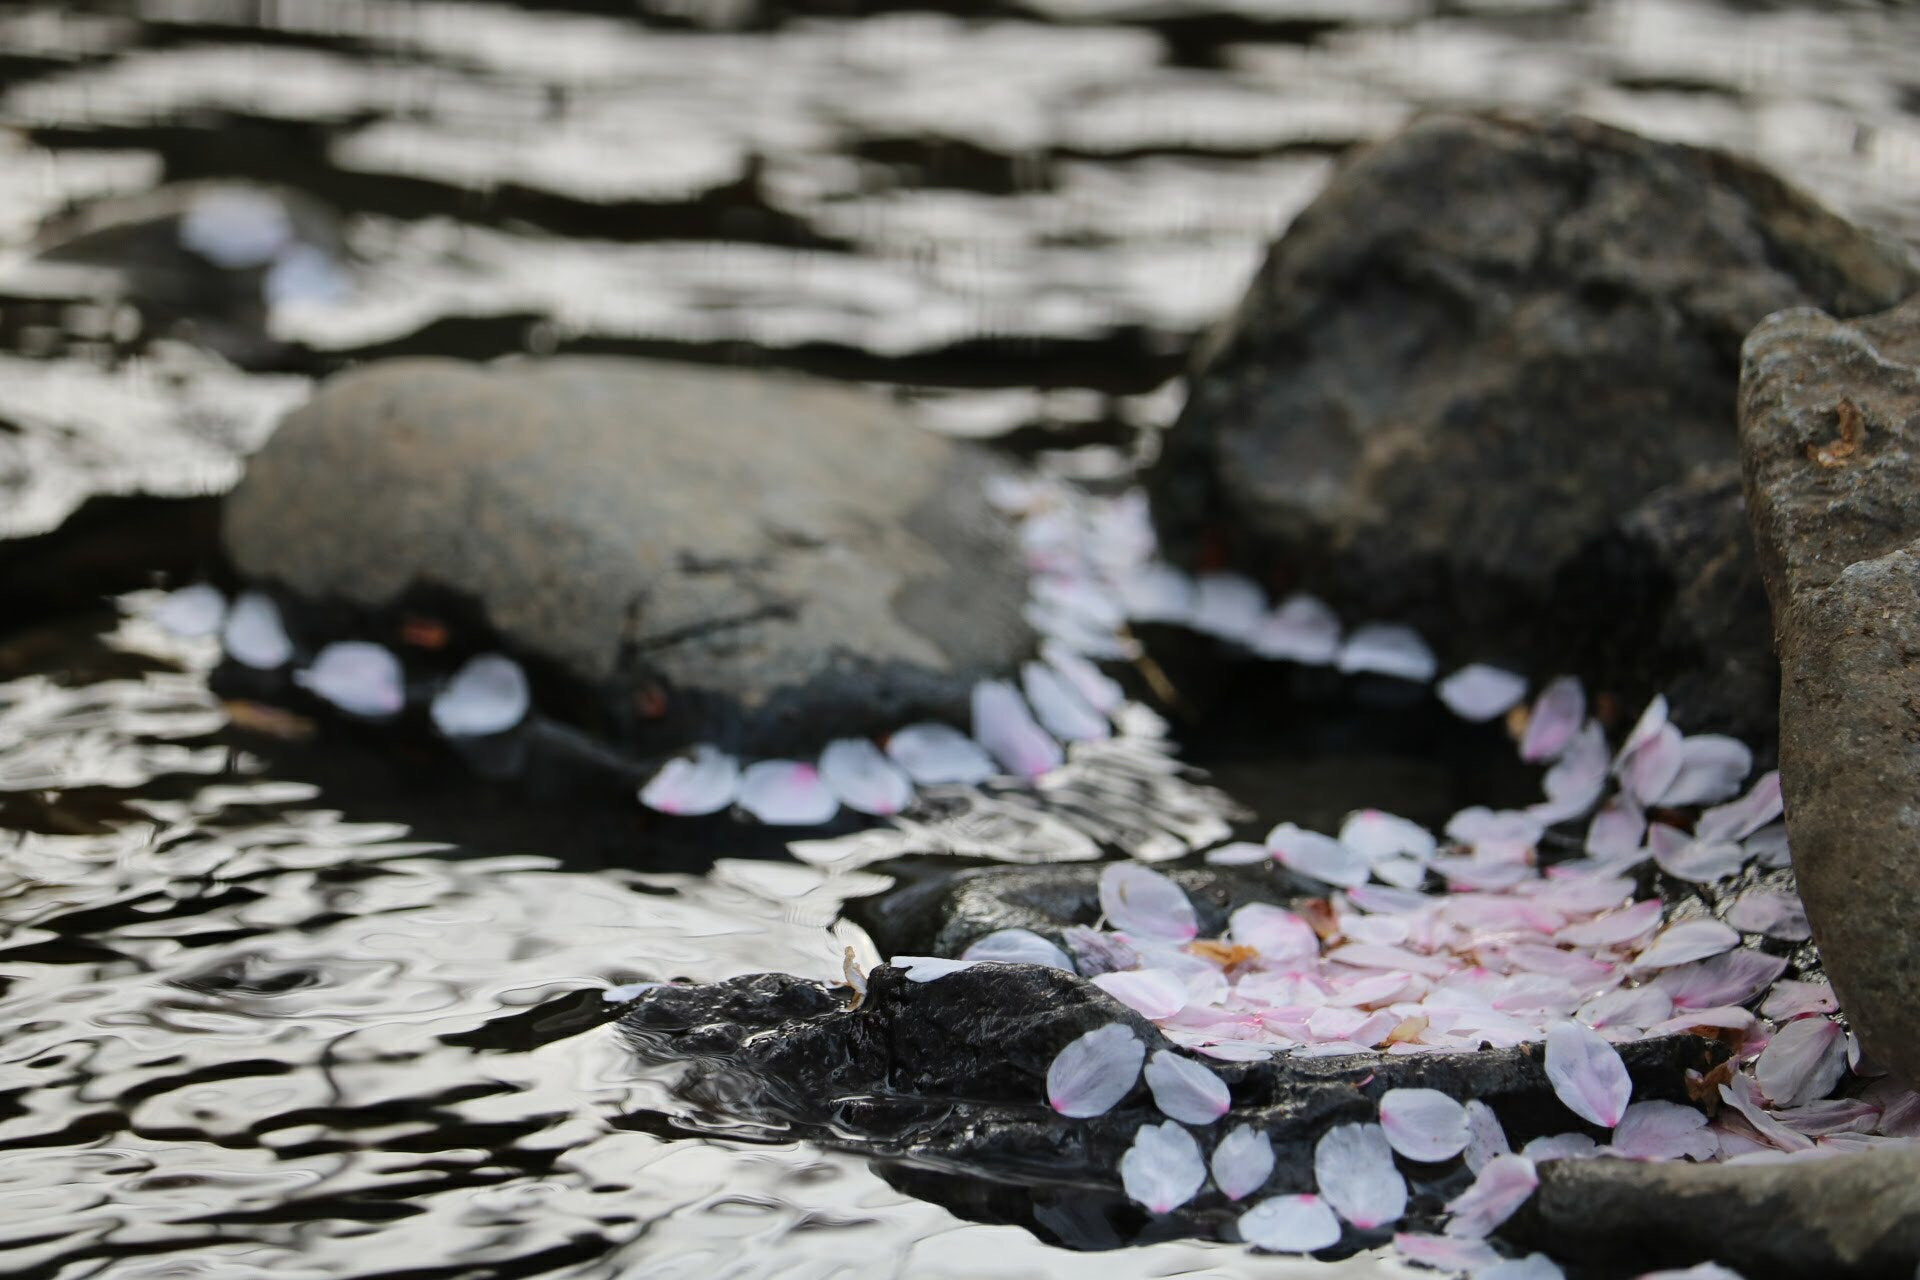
(750, 559)
(1830, 432)
(1485, 384)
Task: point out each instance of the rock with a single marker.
(1483, 354)
(750, 559)
(1830, 438)
(1851, 1215)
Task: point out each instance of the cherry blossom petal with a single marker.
(1290, 1224)
(705, 782)
(1353, 1164)
(1614, 927)
(1506, 833)
(1652, 719)
(1738, 1094)
(1097, 689)
(1692, 860)
(1017, 946)
(1388, 649)
(192, 612)
(235, 228)
(1535, 1266)
(929, 968)
(1485, 1136)
(1803, 1062)
(1712, 768)
(1653, 765)
(1063, 712)
(1090, 1076)
(1772, 915)
(1694, 939)
(1768, 846)
(1378, 836)
(254, 636)
(1318, 856)
(1142, 903)
(1789, 1000)
(1618, 829)
(1006, 728)
(1242, 1162)
(1478, 692)
(1723, 1017)
(1587, 1074)
(361, 679)
(1423, 1124)
(1277, 934)
(1186, 1091)
(1445, 1253)
(1560, 1146)
(1698, 1271)
(1158, 592)
(1574, 784)
(1738, 819)
(933, 754)
(488, 695)
(1503, 1186)
(1240, 853)
(1828, 1116)
(1664, 1131)
(1733, 977)
(1556, 717)
(1152, 993)
(862, 779)
(786, 793)
(1162, 1169)
(1626, 1007)
(1303, 629)
(1228, 606)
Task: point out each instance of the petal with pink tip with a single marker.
(1242, 1162)
(1097, 689)
(862, 779)
(1228, 606)
(1768, 846)
(1556, 717)
(1444, 1253)
(1618, 830)
(1062, 712)
(1503, 1186)
(1017, 946)
(1318, 856)
(1091, 1075)
(1664, 1131)
(192, 612)
(1587, 1074)
(1485, 1136)
(1771, 915)
(359, 678)
(1276, 933)
(1738, 1094)
(488, 695)
(1378, 836)
(1712, 768)
(1290, 1224)
(1733, 977)
(1006, 728)
(1574, 783)
(1694, 861)
(1738, 819)
(1789, 1000)
(786, 793)
(1186, 1091)
(1613, 928)
(1803, 1062)
(705, 782)
(1162, 1169)
(1387, 649)
(1353, 1164)
(1652, 767)
(1142, 903)
(1423, 1124)
(1688, 940)
(253, 634)
(1154, 994)
(1303, 629)
(933, 754)
(1635, 1008)
(1652, 719)
(1478, 692)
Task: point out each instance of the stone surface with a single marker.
(1852, 1215)
(1467, 373)
(1830, 436)
(746, 558)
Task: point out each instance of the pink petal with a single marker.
(1724, 1016)
(1186, 1091)
(786, 793)
(361, 679)
(1229, 606)
(1162, 1169)
(192, 611)
(1423, 1124)
(1318, 856)
(1502, 1187)
(1790, 1000)
(1738, 1094)
(1560, 1146)
(1158, 592)
(1017, 946)
(1587, 1074)
(1829, 1116)
(1290, 1224)
(1712, 767)
(1734, 977)
(1242, 1162)
(1688, 940)
(1444, 1253)
(929, 968)
(932, 754)
(1692, 860)
(1145, 904)
(1664, 1131)
(1276, 933)
(1302, 629)
(1095, 687)
(1064, 713)
(1626, 1008)
(1573, 785)
(1389, 650)
(1768, 846)
(1485, 1137)
(1556, 717)
(1003, 725)
(1377, 836)
(705, 782)
(1152, 993)
(1772, 915)
(488, 695)
(1478, 692)
(1613, 928)
(1353, 1164)
(1652, 719)
(1653, 766)
(1740, 818)
(863, 779)
(1618, 829)
(1535, 1266)
(1090, 1076)
(1803, 1062)
(1506, 832)
(254, 636)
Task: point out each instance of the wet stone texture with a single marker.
(1828, 415)
(750, 559)
(1486, 381)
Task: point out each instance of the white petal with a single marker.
(1485, 1136)
(1664, 1131)
(1688, 859)
(1154, 994)
(1003, 725)
(933, 754)
(1322, 857)
(1378, 836)
(254, 635)
(1615, 927)
(236, 228)
(1017, 946)
(1303, 629)
(1733, 977)
(1090, 1076)
(1768, 846)
(1738, 819)
(1390, 650)
(1145, 904)
(1158, 593)
(1444, 1253)
(1162, 1169)
(1290, 1224)
(1688, 940)
(1276, 933)
(1772, 915)
(1477, 692)
(929, 968)
(705, 782)
(1423, 1124)
(1654, 764)
(1240, 853)
(1503, 1186)
(1789, 1000)
(488, 695)
(1228, 606)
(1560, 1146)
(361, 679)
(862, 779)
(786, 793)
(1712, 768)
(1064, 713)
(1802, 1063)
(1186, 1091)
(1556, 717)
(1573, 785)
(192, 611)
(1618, 830)
(1587, 1074)
(1242, 1162)
(1353, 1164)
(1535, 1266)
(1097, 689)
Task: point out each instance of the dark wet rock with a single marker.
(746, 558)
(1830, 432)
(1852, 1215)
(952, 1073)
(1495, 357)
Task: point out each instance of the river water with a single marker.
(291, 1000)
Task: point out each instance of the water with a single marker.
(304, 1002)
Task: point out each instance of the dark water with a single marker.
(312, 1005)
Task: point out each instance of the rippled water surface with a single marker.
(283, 999)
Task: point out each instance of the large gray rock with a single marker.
(747, 558)
(1830, 434)
(1474, 378)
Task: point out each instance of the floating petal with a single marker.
(1017, 946)
(1240, 853)
(1694, 861)
(1423, 1124)
(1142, 903)
(1556, 717)
(1186, 1091)
(1090, 1076)
(1803, 1062)
(1303, 629)
(1535, 1266)
(1789, 1000)
(1485, 1136)
(1688, 940)
(1242, 1162)
(235, 228)
(1652, 719)
(1003, 725)
(1733, 977)
(863, 779)
(705, 782)
(1615, 927)
(192, 611)
(786, 793)
(1277, 934)
(1378, 836)
(1290, 1224)
(1618, 830)
(1652, 767)
(1063, 712)
(1738, 819)
(1154, 994)
(1162, 1169)
(1322, 857)
(1097, 689)
(488, 695)
(1772, 915)
(1503, 1186)
(1158, 592)
(1229, 606)
(1587, 1074)
(1353, 1164)
(933, 754)
(1573, 785)
(1664, 1131)
(1477, 692)
(1712, 767)
(361, 679)
(1388, 649)
(1444, 1253)
(1560, 1146)
(254, 636)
